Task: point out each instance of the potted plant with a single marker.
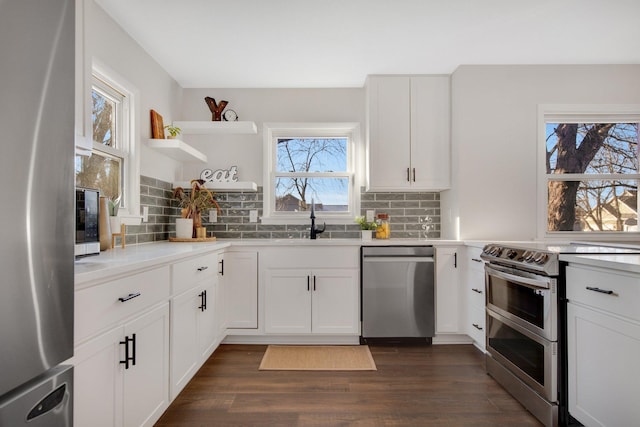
(366, 227)
(114, 219)
(173, 131)
(193, 203)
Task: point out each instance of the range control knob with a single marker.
(528, 256)
(511, 254)
(540, 258)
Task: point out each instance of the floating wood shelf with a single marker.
(222, 186)
(216, 128)
(178, 150)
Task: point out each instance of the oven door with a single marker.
(528, 356)
(527, 299)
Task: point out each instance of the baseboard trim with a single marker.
(292, 339)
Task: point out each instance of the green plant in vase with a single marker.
(173, 131)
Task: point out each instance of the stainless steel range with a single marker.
(526, 323)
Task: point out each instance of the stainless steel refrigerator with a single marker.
(36, 226)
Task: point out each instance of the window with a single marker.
(309, 164)
(110, 168)
(591, 171)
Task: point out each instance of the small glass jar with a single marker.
(383, 231)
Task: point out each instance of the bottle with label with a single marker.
(383, 231)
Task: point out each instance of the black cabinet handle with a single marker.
(475, 325)
(314, 283)
(476, 290)
(308, 287)
(133, 342)
(129, 358)
(602, 291)
(414, 174)
(408, 175)
(221, 269)
(203, 301)
(203, 268)
(129, 297)
(476, 260)
(455, 260)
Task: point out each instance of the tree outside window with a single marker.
(592, 176)
(311, 169)
(104, 169)
(311, 162)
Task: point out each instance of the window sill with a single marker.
(130, 219)
(342, 220)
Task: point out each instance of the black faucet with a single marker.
(314, 231)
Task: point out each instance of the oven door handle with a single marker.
(544, 283)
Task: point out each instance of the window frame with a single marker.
(578, 113)
(129, 212)
(273, 131)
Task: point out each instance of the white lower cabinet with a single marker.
(238, 272)
(194, 333)
(447, 293)
(300, 301)
(121, 376)
(603, 337)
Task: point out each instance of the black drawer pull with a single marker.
(202, 268)
(128, 297)
(476, 260)
(478, 291)
(475, 325)
(602, 291)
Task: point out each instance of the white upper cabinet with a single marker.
(408, 140)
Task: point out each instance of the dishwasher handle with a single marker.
(398, 259)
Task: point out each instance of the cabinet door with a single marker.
(240, 277)
(430, 140)
(604, 374)
(184, 339)
(287, 305)
(335, 301)
(447, 295)
(146, 384)
(389, 139)
(97, 382)
(208, 330)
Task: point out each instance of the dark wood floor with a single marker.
(440, 385)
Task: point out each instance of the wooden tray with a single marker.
(193, 239)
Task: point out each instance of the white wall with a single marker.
(106, 42)
(261, 106)
(494, 137)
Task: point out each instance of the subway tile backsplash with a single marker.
(411, 215)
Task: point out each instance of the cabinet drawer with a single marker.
(100, 306)
(475, 294)
(474, 262)
(186, 274)
(624, 299)
(476, 325)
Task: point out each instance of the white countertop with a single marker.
(118, 261)
(623, 262)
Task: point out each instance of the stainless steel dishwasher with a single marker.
(397, 294)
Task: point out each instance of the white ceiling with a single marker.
(336, 43)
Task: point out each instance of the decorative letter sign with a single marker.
(220, 175)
